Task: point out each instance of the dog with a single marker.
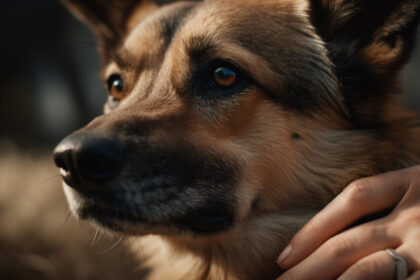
(230, 123)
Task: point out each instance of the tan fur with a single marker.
(290, 163)
(235, 252)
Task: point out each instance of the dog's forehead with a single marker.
(238, 21)
(152, 35)
(218, 16)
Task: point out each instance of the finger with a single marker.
(410, 251)
(340, 252)
(362, 197)
(379, 265)
(412, 195)
(414, 276)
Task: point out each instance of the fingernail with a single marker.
(284, 255)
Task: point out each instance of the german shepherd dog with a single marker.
(230, 123)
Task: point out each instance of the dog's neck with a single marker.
(247, 252)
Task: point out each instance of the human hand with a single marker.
(323, 249)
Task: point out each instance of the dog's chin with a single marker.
(202, 221)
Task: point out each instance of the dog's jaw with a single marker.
(246, 246)
(249, 248)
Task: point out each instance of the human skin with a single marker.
(325, 248)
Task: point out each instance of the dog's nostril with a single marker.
(60, 163)
(100, 158)
(63, 157)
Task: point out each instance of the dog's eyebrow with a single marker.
(198, 46)
(123, 59)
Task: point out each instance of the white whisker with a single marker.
(113, 246)
(67, 217)
(95, 238)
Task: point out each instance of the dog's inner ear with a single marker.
(110, 20)
(368, 42)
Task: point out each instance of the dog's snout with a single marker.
(84, 159)
(99, 158)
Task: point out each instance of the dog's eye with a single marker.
(224, 77)
(115, 89)
(115, 86)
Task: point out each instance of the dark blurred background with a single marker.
(49, 84)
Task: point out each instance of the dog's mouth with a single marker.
(212, 218)
(161, 192)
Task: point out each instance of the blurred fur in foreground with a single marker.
(37, 238)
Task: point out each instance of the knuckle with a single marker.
(415, 179)
(366, 269)
(370, 232)
(359, 190)
(339, 247)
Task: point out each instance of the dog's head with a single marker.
(220, 112)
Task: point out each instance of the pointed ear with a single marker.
(111, 19)
(368, 41)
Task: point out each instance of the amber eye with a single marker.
(115, 86)
(221, 78)
(225, 77)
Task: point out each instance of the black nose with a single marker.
(84, 159)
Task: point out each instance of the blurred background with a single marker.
(49, 86)
(49, 81)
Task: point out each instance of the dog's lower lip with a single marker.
(197, 223)
(95, 211)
